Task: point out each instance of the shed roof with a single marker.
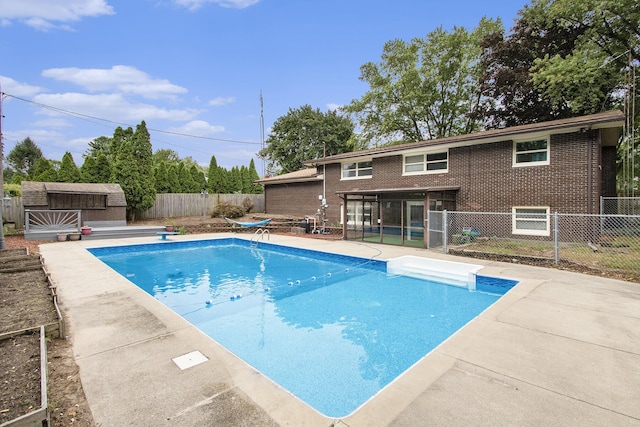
(302, 175)
(35, 193)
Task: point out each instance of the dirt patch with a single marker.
(20, 373)
(27, 302)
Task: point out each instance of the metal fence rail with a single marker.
(601, 242)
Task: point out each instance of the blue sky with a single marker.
(196, 67)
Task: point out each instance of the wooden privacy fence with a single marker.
(166, 206)
(13, 212)
(194, 204)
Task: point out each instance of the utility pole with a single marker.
(3, 243)
(262, 130)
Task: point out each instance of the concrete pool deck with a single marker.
(560, 348)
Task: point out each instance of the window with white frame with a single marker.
(357, 170)
(358, 214)
(436, 162)
(531, 153)
(530, 220)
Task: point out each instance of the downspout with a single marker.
(344, 216)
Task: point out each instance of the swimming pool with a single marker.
(331, 329)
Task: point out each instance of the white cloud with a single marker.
(16, 88)
(42, 14)
(52, 122)
(220, 101)
(198, 128)
(122, 78)
(197, 4)
(333, 107)
(113, 107)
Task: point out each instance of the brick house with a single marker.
(529, 171)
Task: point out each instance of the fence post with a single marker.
(601, 214)
(556, 246)
(444, 231)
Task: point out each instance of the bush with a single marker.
(226, 209)
(13, 190)
(247, 204)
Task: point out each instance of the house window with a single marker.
(531, 153)
(358, 214)
(426, 163)
(532, 221)
(357, 170)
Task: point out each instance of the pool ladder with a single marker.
(258, 235)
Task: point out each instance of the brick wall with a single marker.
(488, 182)
(298, 199)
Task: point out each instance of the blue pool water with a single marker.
(331, 329)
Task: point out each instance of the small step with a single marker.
(449, 272)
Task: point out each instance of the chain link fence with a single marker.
(591, 242)
(620, 205)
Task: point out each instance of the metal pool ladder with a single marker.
(259, 235)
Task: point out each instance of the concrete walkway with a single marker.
(559, 349)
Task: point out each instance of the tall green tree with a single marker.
(200, 183)
(24, 156)
(133, 170)
(187, 184)
(588, 78)
(69, 171)
(162, 178)
(103, 168)
(96, 169)
(510, 95)
(305, 133)
(88, 169)
(173, 179)
(44, 171)
(235, 181)
(422, 89)
(166, 155)
(101, 144)
(253, 177)
(216, 177)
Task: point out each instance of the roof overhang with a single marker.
(396, 190)
(610, 122)
(73, 188)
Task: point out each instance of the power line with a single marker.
(89, 118)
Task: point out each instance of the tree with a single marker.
(44, 171)
(88, 169)
(103, 168)
(253, 177)
(68, 171)
(589, 77)
(216, 178)
(187, 184)
(200, 183)
(133, 169)
(24, 157)
(304, 134)
(101, 144)
(235, 181)
(425, 88)
(96, 169)
(165, 155)
(173, 180)
(162, 178)
(511, 97)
